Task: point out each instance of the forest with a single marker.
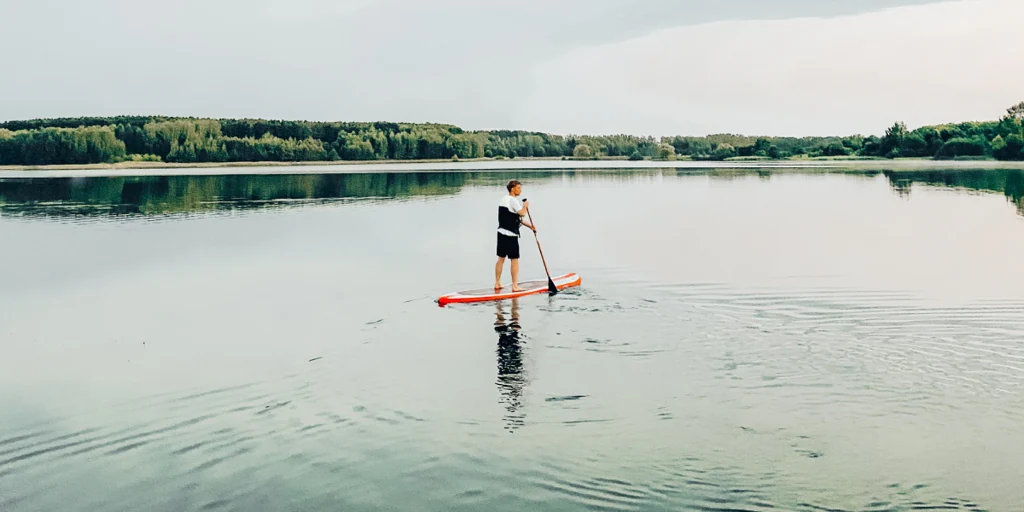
(90, 140)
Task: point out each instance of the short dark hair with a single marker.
(512, 184)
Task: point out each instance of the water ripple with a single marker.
(733, 374)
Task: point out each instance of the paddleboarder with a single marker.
(510, 216)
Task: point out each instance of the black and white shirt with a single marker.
(508, 215)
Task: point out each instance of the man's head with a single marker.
(514, 187)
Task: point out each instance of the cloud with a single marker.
(472, 63)
(947, 62)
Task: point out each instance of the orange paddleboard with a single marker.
(529, 288)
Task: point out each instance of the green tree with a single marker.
(48, 146)
(1013, 121)
(853, 144)
(834, 148)
(893, 139)
(1014, 147)
(583, 151)
(962, 146)
(776, 153)
(1016, 112)
(354, 147)
(999, 148)
(700, 149)
(681, 144)
(914, 145)
(186, 140)
(724, 151)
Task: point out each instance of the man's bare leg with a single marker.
(515, 276)
(497, 273)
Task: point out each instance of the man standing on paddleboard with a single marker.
(510, 216)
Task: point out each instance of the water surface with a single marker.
(743, 340)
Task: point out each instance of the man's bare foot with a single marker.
(516, 288)
(497, 286)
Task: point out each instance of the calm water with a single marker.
(742, 341)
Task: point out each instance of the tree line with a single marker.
(168, 139)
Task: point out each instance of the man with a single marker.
(510, 217)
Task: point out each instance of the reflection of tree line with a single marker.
(175, 194)
(154, 195)
(149, 195)
(1009, 182)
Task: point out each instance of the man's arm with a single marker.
(522, 213)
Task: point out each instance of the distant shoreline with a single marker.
(144, 143)
(525, 165)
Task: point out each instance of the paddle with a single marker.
(552, 289)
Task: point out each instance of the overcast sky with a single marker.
(657, 67)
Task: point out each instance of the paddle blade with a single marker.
(552, 289)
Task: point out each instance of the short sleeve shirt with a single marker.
(513, 204)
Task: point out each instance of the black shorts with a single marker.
(508, 246)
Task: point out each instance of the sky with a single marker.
(645, 67)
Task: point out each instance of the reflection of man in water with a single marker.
(510, 364)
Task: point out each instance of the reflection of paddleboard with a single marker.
(529, 288)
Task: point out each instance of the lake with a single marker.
(742, 340)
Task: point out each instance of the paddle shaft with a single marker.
(551, 284)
